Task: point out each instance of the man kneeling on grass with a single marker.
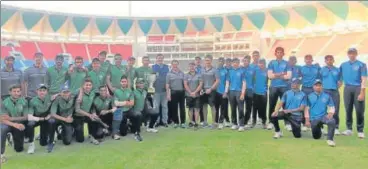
(320, 110)
(142, 105)
(62, 110)
(124, 101)
(39, 115)
(293, 102)
(13, 115)
(83, 113)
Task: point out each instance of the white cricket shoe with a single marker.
(347, 133)
(331, 143)
(277, 135)
(152, 130)
(31, 148)
(269, 126)
(361, 135)
(220, 126)
(234, 127)
(288, 127)
(241, 129)
(304, 128)
(337, 132)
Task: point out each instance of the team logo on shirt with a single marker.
(299, 97)
(106, 103)
(324, 100)
(282, 66)
(356, 67)
(335, 73)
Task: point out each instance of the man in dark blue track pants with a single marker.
(248, 98)
(330, 76)
(354, 76)
(279, 73)
(222, 102)
(320, 110)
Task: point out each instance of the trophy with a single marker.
(151, 79)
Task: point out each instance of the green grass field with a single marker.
(202, 149)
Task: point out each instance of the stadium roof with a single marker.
(284, 18)
(147, 8)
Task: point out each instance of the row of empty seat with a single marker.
(322, 45)
(51, 49)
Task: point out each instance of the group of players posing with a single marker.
(104, 94)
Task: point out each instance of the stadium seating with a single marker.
(340, 43)
(28, 49)
(50, 49)
(76, 49)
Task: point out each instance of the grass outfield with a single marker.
(202, 149)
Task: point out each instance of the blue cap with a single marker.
(65, 87)
(352, 50)
(42, 86)
(317, 82)
(295, 81)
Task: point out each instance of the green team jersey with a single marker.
(55, 78)
(63, 107)
(14, 108)
(76, 80)
(144, 73)
(124, 94)
(37, 106)
(132, 74)
(98, 79)
(86, 104)
(116, 72)
(104, 67)
(139, 98)
(100, 103)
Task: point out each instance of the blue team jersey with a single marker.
(260, 81)
(222, 74)
(161, 71)
(295, 72)
(352, 72)
(278, 66)
(330, 77)
(198, 69)
(310, 73)
(318, 104)
(236, 79)
(293, 100)
(249, 76)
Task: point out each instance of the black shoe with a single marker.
(191, 124)
(50, 147)
(138, 137)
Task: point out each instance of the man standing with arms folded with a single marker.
(9, 76)
(236, 87)
(115, 73)
(222, 102)
(210, 81)
(354, 76)
(293, 103)
(320, 110)
(14, 115)
(248, 98)
(279, 73)
(160, 96)
(76, 75)
(330, 76)
(193, 84)
(33, 76)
